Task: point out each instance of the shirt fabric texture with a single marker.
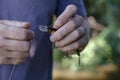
(38, 12)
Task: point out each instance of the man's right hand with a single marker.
(14, 41)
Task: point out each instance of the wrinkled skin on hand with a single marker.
(73, 31)
(14, 41)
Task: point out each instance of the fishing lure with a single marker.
(51, 30)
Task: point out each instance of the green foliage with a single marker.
(113, 13)
(113, 39)
(96, 8)
(58, 55)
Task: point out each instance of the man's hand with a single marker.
(14, 41)
(73, 31)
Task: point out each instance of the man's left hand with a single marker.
(73, 31)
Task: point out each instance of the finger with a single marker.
(13, 54)
(75, 35)
(25, 25)
(16, 33)
(78, 20)
(75, 45)
(5, 60)
(19, 34)
(66, 29)
(69, 12)
(16, 61)
(2, 39)
(14, 45)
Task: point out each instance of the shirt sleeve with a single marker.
(62, 4)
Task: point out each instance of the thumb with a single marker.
(25, 25)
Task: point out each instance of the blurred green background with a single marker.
(104, 45)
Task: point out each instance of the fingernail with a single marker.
(58, 24)
(26, 25)
(55, 27)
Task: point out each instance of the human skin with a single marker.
(73, 31)
(15, 36)
(14, 41)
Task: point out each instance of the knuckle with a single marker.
(60, 20)
(86, 42)
(4, 53)
(10, 45)
(84, 29)
(18, 33)
(77, 33)
(25, 34)
(10, 30)
(25, 55)
(17, 61)
(3, 60)
(83, 42)
(59, 37)
(31, 34)
(70, 26)
(3, 28)
(2, 44)
(56, 36)
(77, 44)
(59, 44)
(22, 46)
(81, 30)
(16, 54)
(26, 46)
(80, 18)
(73, 23)
(21, 55)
